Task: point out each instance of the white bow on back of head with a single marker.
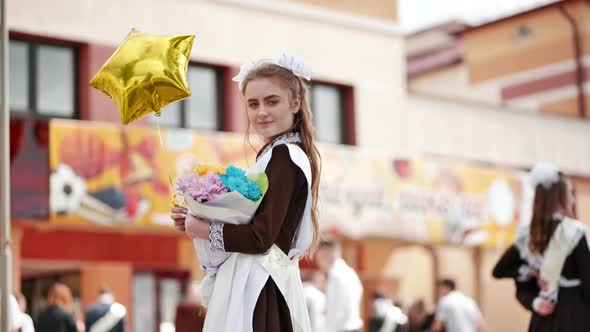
(296, 65)
(293, 63)
(544, 173)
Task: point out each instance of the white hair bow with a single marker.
(544, 173)
(245, 69)
(293, 63)
(296, 65)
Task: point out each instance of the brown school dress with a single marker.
(275, 222)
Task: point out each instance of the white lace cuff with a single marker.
(536, 303)
(216, 237)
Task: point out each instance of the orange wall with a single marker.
(568, 106)
(412, 267)
(492, 50)
(457, 263)
(375, 254)
(583, 15)
(117, 275)
(582, 186)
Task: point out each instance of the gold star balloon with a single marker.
(146, 73)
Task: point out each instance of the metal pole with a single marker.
(6, 259)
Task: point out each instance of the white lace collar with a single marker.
(534, 260)
(287, 138)
(566, 236)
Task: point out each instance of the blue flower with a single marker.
(235, 180)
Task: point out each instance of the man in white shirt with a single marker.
(344, 289)
(315, 299)
(456, 312)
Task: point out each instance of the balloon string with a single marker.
(168, 168)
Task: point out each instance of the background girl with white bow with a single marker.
(550, 259)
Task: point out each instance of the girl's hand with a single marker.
(179, 215)
(196, 228)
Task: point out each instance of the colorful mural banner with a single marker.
(109, 175)
(121, 176)
(367, 195)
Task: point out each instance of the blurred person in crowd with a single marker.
(26, 320)
(106, 315)
(419, 318)
(429, 322)
(387, 317)
(344, 290)
(455, 312)
(550, 260)
(58, 315)
(190, 314)
(314, 283)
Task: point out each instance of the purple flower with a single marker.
(200, 188)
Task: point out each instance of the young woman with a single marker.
(550, 259)
(259, 287)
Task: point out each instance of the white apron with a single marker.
(564, 240)
(241, 278)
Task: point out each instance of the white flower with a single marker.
(544, 173)
(66, 190)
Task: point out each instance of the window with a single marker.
(523, 32)
(156, 295)
(202, 110)
(43, 79)
(19, 76)
(329, 114)
(144, 302)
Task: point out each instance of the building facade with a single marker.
(452, 114)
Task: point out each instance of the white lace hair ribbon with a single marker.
(544, 173)
(296, 65)
(245, 69)
(293, 63)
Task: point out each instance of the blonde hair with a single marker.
(60, 295)
(302, 124)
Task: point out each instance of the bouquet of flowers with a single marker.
(221, 195)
